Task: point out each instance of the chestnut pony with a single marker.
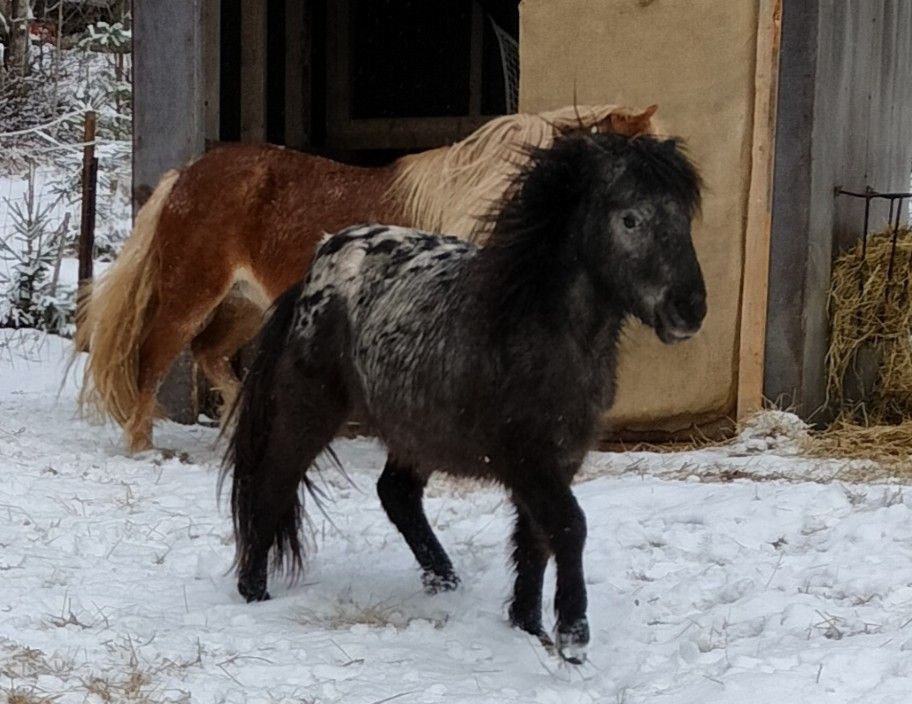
(220, 239)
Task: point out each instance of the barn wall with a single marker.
(168, 125)
(844, 119)
(637, 53)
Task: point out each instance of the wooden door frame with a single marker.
(755, 279)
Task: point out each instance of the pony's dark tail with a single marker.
(253, 413)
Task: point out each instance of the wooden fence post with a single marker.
(87, 220)
(89, 180)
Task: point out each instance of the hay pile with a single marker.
(870, 312)
(869, 361)
(883, 449)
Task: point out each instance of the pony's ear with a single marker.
(635, 124)
(649, 112)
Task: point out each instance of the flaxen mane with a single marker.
(450, 189)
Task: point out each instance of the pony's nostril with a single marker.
(687, 311)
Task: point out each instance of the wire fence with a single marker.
(41, 185)
(896, 220)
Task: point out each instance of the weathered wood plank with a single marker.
(845, 104)
(338, 74)
(169, 127)
(475, 59)
(211, 66)
(297, 73)
(253, 70)
(755, 281)
(169, 95)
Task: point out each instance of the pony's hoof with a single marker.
(254, 597)
(137, 444)
(572, 641)
(533, 627)
(435, 583)
(253, 590)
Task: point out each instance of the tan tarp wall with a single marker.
(695, 59)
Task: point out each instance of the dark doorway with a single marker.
(366, 80)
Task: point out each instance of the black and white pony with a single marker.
(493, 362)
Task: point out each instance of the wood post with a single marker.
(211, 32)
(169, 129)
(89, 182)
(87, 218)
(17, 57)
(297, 73)
(475, 59)
(169, 96)
(254, 42)
(755, 281)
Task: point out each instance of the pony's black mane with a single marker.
(529, 254)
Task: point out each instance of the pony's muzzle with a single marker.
(679, 317)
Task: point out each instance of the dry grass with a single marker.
(347, 612)
(20, 662)
(883, 450)
(771, 424)
(26, 695)
(21, 667)
(870, 311)
(869, 360)
(33, 677)
(132, 687)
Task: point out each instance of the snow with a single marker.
(13, 190)
(114, 582)
(56, 302)
(41, 144)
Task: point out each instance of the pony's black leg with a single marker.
(553, 507)
(275, 505)
(307, 414)
(530, 556)
(401, 491)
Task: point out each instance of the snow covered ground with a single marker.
(114, 584)
(56, 195)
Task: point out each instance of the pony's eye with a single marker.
(630, 222)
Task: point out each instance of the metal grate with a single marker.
(896, 200)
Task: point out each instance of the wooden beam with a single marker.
(338, 73)
(17, 56)
(476, 58)
(297, 73)
(212, 22)
(168, 130)
(755, 282)
(89, 187)
(254, 42)
(169, 91)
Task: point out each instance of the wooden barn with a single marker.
(782, 102)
